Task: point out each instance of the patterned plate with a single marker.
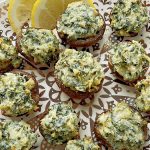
(113, 91)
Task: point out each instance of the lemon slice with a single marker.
(45, 13)
(19, 12)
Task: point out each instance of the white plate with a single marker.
(112, 92)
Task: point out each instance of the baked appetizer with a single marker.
(128, 17)
(60, 124)
(18, 93)
(84, 144)
(8, 55)
(80, 25)
(143, 95)
(78, 74)
(38, 45)
(121, 128)
(129, 61)
(16, 136)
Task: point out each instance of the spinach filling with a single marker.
(129, 16)
(79, 21)
(15, 94)
(129, 59)
(122, 128)
(60, 124)
(79, 71)
(41, 44)
(143, 99)
(7, 50)
(16, 136)
(84, 144)
(8, 54)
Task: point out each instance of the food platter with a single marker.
(113, 90)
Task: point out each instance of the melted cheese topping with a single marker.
(128, 16)
(129, 59)
(16, 136)
(7, 52)
(84, 144)
(60, 124)
(41, 44)
(79, 71)
(122, 128)
(15, 94)
(143, 100)
(79, 21)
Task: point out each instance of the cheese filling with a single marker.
(143, 100)
(79, 71)
(16, 136)
(41, 44)
(122, 128)
(60, 124)
(79, 21)
(129, 59)
(15, 94)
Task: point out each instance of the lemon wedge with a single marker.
(19, 12)
(45, 13)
